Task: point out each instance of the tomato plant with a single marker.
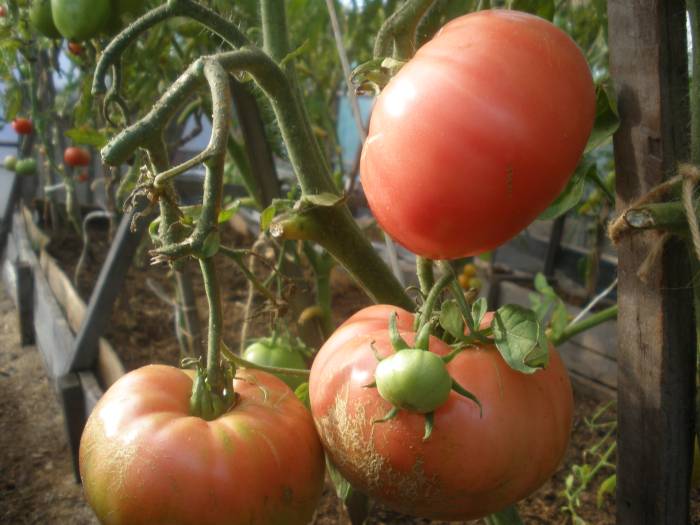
(41, 18)
(505, 452)
(145, 460)
(22, 126)
(81, 19)
(477, 134)
(74, 156)
(278, 351)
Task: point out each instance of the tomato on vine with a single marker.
(41, 19)
(10, 162)
(279, 351)
(22, 126)
(74, 156)
(3, 11)
(477, 134)
(25, 167)
(144, 459)
(81, 19)
(487, 448)
(75, 48)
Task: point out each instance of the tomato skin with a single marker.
(145, 460)
(3, 11)
(477, 134)
(22, 126)
(41, 18)
(73, 156)
(81, 19)
(470, 466)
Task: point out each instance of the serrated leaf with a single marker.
(87, 137)
(343, 488)
(520, 339)
(267, 216)
(323, 199)
(608, 486)
(302, 393)
(451, 319)
(572, 194)
(479, 309)
(606, 118)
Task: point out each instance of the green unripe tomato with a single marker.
(41, 19)
(415, 380)
(268, 353)
(25, 167)
(10, 162)
(81, 19)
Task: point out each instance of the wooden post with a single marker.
(648, 64)
(25, 302)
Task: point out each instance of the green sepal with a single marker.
(520, 338)
(466, 393)
(389, 416)
(397, 342)
(429, 422)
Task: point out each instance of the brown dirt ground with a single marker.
(37, 484)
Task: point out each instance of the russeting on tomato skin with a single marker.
(145, 460)
(471, 465)
(477, 134)
(22, 126)
(81, 19)
(74, 156)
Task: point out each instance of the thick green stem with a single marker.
(431, 300)
(668, 216)
(589, 322)
(426, 276)
(215, 376)
(205, 16)
(400, 30)
(236, 360)
(508, 516)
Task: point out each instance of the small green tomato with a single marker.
(269, 352)
(10, 162)
(415, 380)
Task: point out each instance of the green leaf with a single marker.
(608, 486)
(606, 118)
(543, 8)
(572, 194)
(153, 230)
(229, 211)
(479, 309)
(342, 486)
(520, 338)
(559, 320)
(323, 199)
(302, 393)
(451, 319)
(267, 215)
(87, 137)
(211, 244)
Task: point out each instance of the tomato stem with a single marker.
(234, 359)
(426, 276)
(426, 310)
(397, 36)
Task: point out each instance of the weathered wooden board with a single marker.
(656, 336)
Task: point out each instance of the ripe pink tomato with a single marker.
(477, 134)
(472, 465)
(145, 460)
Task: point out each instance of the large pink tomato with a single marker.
(472, 464)
(477, 134)
(145, 461)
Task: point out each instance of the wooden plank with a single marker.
(8, 199)
(70, 395)
(25, 302)
(107, 288)
(656, 352)
(54, 337)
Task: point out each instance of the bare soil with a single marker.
(37, 485)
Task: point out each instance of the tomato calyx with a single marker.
(415, 379)
(208, 400)
(372, 76)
